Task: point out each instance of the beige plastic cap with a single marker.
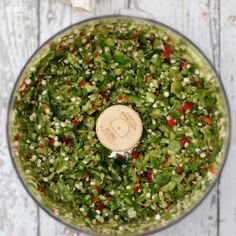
(119, 128)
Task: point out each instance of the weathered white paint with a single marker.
(227, 202)
(25, 24)
(18, 40)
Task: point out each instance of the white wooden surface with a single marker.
(26, 24)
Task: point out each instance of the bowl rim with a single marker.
(186, 39)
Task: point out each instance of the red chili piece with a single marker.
(67, 140)
(94, 107)
(149, 175)
(139, 178)
(51, 142)
(182, 65)
(136, 188)
(85, 175)
(109, 197)
(82, 83)
(41, 189)
(179, 170)
(99, 205)
(181, 110)
(135, 154)
(171, 122)
(123, 98)
(89, 41)
(103, 95)
(148, 78)
(167, 52)
(90, 61)
(207, 120)
(17, 137)
(184, 142)
(75, 121)
(93, 199)
(74, 50)
(136, 36)
(24, 86)
(99, 190)
(68, 82)
(188, 106)
(61, 47)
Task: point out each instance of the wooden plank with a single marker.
(54, 16)
(18, 40)
(108, 7)
(198, 20)
(228, 74)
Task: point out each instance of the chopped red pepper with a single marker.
(99, 190)
(41, 189)
(82, 83)
(51, 142)
(136, 36)
(88, 41)
(109, 197)
(181, 110)
(167, 52)
(171, 122)
(99, 205)
(183, 65)
(61, 47)
(103, 95)
(213, 170)
(17, 137)
(85, 175)
(53, 210)
(179, 170)
(184, 142)
(67, 140)
(149, 175)
(94, 107)
(207, 120)
(81, 33)
(197, 118)
(90, 61)
(68, 82)
(75, 121)
(135, 154)
(23, 86)
(74, 50)
(139, 178)
(188, 106)
(123, 98)
(93, 199)
(148, 78)
(136, 188)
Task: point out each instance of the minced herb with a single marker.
(92, 67)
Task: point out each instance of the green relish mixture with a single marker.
(75, 78)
